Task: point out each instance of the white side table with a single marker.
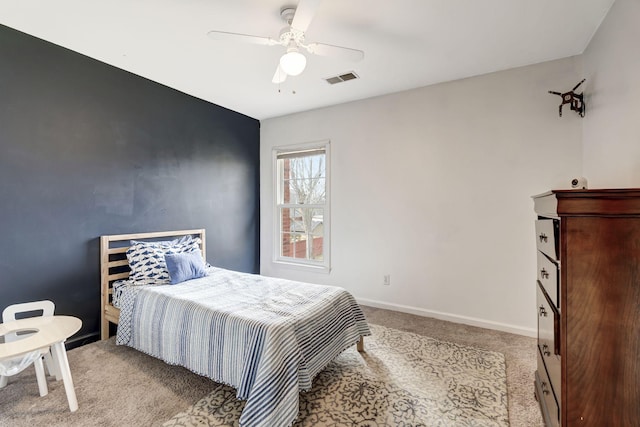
(51, 331)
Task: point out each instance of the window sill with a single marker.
(303, 267)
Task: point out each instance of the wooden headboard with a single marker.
(114, 266)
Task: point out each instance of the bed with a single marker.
(266, 337)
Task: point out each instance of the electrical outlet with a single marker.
(387, 279)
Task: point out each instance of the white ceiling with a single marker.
(407, 43)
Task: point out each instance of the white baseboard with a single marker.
(487, 324)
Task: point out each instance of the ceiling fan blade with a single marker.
(279, 76)
(243, 38)
(305, 11)
(336, 51)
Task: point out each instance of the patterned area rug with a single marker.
(403, 379)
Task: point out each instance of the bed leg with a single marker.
(104, 329)
(360, 345)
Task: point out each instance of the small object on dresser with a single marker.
(579, 183)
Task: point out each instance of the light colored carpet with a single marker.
(519, 351)
(115, 386)
(402, 379)
(119, 386)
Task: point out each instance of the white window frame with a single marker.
(325, 264)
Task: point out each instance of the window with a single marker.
(302, 205)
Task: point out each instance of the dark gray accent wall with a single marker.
(88, 149)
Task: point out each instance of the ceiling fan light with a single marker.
(293, 62)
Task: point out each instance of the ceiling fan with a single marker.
(292, 37)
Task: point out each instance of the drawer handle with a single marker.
(543, 238)
(544, 274)
(543, 312)
(543, 386)
(545, 350)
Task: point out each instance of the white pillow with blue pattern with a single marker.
(147, 262)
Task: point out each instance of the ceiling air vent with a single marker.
(342, 78)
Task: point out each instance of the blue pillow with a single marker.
(185, 266)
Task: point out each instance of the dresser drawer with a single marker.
(548, 277)
(546, 395)
(547, 237)
(548, 323)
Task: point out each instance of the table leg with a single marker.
(52, 365)
(60, 356)
(41, 377)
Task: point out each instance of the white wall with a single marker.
(612, 122)
(433, 186)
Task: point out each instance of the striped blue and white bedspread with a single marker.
(266, 337)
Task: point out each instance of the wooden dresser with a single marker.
(588, 303)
